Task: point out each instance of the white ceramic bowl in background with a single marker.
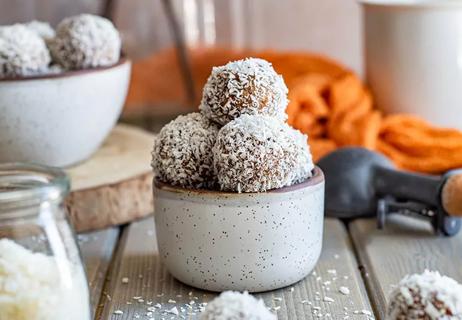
(249, 241)
(61, 119)
(413, 53)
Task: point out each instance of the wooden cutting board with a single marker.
(114, 186)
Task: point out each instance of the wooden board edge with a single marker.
(115, 204)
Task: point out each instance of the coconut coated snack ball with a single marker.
(256, 153)
(85, 41)
(426, 296)
(182, 154)
(232, 305)
(249, 86)
(43, 29)
(22, 52)
(305, 164)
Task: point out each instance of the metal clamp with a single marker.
(440, 221)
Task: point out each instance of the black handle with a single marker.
(417, 187)
(407, 185)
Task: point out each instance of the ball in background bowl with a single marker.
(60, 119)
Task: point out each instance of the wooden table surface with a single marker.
(127, 280)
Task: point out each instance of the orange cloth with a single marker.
(327, 101)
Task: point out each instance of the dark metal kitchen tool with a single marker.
(360, 183)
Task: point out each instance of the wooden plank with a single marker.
(97, 249)
(138, 282)
(405, 246)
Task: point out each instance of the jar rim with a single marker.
(30, 184)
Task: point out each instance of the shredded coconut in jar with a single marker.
(249, 86)
(256, 153)
(426, 296)
(33, 288)
(232, 305)
(22, 52)
(85, 41)
(182, 154)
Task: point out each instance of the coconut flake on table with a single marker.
(344, 290)
(182, 154)
(249, 86)
(22, 52)
(426, 296)
(256, 153)
(231, 305)
(85, 41)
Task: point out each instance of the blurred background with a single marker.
(213, 30)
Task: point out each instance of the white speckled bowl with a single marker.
(60, 119)
(249, 241)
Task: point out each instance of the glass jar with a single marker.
(217, 31)
(41, 271)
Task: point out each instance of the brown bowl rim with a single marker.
(315, 179)
(68, 73)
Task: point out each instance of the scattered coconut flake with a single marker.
(235, 305)
(344, 290)
(174, 311)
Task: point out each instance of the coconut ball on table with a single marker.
(232, 305)
(426, 296)
(85, 41)
(256, 153)
(22, 52)
(249, 86)
(182, 154)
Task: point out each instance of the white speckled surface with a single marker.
(255, 241)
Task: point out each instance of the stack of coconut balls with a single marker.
(239, 141)
(79, 42)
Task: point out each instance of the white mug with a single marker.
(413, 52)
